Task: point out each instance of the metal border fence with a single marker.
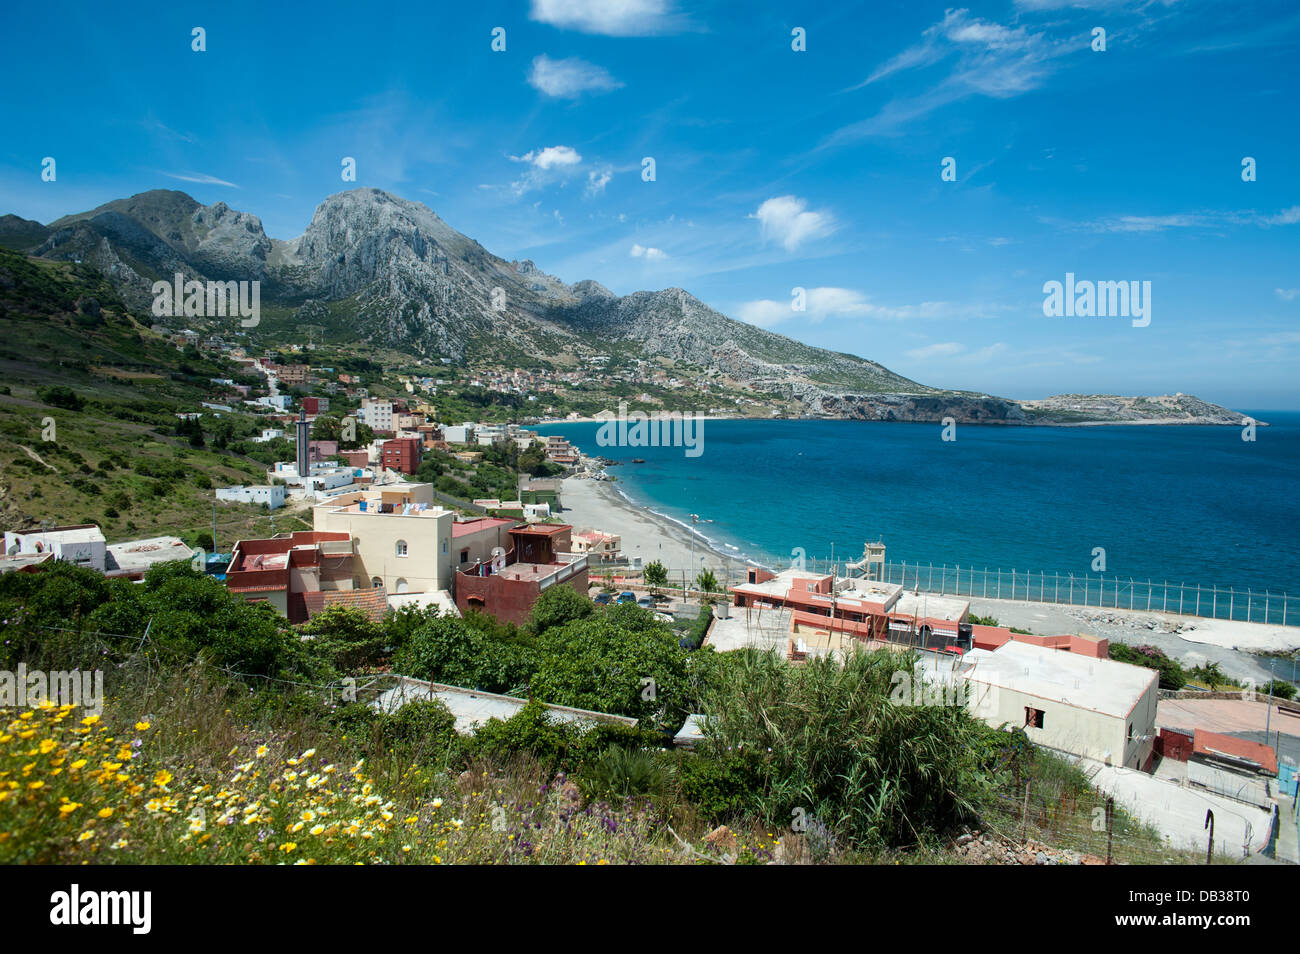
(1039, 586)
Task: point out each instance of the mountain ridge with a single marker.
(392, 272)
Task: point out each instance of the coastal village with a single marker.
(382, 540)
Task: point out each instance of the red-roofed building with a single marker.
(1237, 768)
(880, 612)
(283, 570)
(538, 558)
(472, 541)
(373, 601)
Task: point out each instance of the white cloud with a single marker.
(787, 220)
(550, 157)
(649, 254)
(609, 17)
(570, 78)
(830, 302)
(1288, 294)
(545, 166)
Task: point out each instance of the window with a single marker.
(1130, 731)
(401, 548)
(464, 556)
(401, 585)
(444, 545)
(1033, 718)
(376, 582)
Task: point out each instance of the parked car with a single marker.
(627, 596)
(645, 602)
(604, 599)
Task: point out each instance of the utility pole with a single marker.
(215, 548)
(695, 519)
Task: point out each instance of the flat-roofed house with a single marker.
(1095, 708)
(82, 544)
(286, 571)
(540, 557)
(402, 540)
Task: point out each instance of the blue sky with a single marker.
(775, 169)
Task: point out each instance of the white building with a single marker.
(376, 414)
(1096, 708)
(269, 434)
(82, 544)
(458, 433)
(272, 495)
(535, 512)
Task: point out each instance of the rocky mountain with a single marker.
(1115, 409)
(390, 272)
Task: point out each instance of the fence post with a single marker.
(1110, 825)
(1024, 815)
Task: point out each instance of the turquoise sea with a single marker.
(1176, 503)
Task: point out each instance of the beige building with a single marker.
(598, 547)
(401, 540)
(1096, 708)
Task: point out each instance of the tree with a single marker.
(449, 650)
(330, 428)
(655, 576)
(707, 582)
(1210, 674)
(623, 661)
(346, 637)
(559, 605)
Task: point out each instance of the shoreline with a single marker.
(602, 505)
(1192, 640)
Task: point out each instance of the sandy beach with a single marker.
(598, 505)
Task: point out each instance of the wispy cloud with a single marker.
(597, 179)
(830, 302)
(1287, 294)
(610, 17)
(199, 178)
(569, 78)
(1190, 220)
(986, 59)
(787, 219)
